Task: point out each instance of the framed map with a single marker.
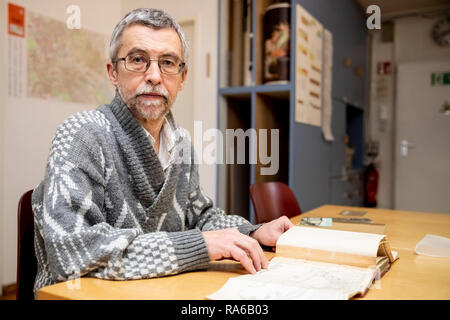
(66, 64)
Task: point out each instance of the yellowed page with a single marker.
(357, 243)
(296, 279)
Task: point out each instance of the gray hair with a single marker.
(152, 18)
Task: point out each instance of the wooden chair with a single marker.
(26, 257)
(272, 200)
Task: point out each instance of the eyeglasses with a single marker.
(140, 63)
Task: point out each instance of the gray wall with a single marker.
(317, 163)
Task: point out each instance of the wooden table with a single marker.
(411, 277)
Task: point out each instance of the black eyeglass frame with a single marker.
(181, 65)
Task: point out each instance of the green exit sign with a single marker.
(440, 78)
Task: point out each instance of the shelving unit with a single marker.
(272, 112)
(252, 106)
(311, 166)
(236, 113)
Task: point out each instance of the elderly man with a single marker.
(116, 201)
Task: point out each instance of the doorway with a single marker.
(422, 139)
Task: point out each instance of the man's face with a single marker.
(149, 95)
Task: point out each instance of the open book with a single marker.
(316, 263)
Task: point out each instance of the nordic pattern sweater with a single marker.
(106, 208)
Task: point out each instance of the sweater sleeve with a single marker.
(204, 215)
(77, 240)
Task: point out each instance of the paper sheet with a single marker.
(17, 57)
(434, 246)
(308, 68)
(296, 279)
(17, 67)
(327, 105)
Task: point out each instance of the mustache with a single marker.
(150, 89)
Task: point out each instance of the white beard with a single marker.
(149, 110)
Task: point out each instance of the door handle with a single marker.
(446, 108)
(405, 145)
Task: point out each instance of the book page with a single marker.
(358, 243)
(296, 279)
(434, 246)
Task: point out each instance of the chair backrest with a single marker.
(26, 257)
(272, 200)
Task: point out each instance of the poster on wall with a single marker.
(50, 61)
(16, 51)
(16, 20)
(308, 81)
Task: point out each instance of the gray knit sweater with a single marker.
(107, 209)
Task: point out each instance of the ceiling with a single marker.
(393, 8)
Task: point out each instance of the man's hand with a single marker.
(230, 243)
(269, 232)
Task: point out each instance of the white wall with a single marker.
(204, 13)
(382, 116)
(29, 124)
(413, 40)
(412, 43)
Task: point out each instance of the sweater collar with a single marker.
(142, 161)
